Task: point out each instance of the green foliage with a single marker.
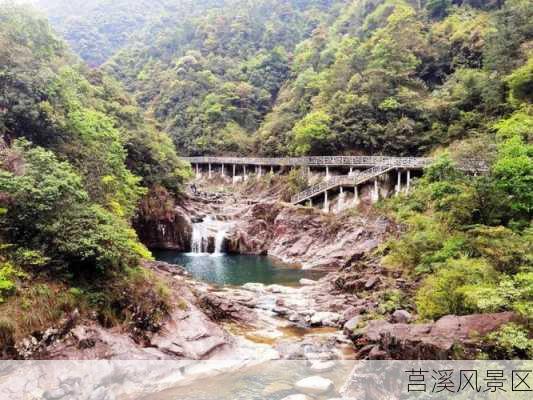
(513, 172)
(518, 124)
(296, 182)
(521, 83)
(7, 277)
(468, 240)
(238, 76)
(312, 135)
(512, 341)
(390, 301)
(444, 291)
(49, 211)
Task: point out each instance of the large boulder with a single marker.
(315, 385)
(220, 308)
(431, 341)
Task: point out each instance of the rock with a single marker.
(297, 397)
(61, 392)
(322, 366)
(432, 341)
(326, 318)
(254, 287)
(281, 311)
(401, 317)
(350, 312)
(101, 394)
(298, 236)
(278, 289)
(161, 226)
(315, 385)
(307, 282)
(377, 354)
(224, 308)
(351, 325)
(372, 282)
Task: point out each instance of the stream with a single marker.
(237, 270)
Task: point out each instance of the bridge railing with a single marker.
(472, 165)
(345, 180)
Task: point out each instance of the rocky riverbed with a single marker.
(359, 310)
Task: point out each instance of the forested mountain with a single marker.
(97, 29)
(318, 76)
(76, 157)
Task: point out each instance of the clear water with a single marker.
(236, 270)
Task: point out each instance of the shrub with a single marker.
(8, 275)
(444, 292)
(50, 216)
(506, 250)
(512, 341)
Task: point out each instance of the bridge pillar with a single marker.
(340, 204)
(351, 171)
(326, 201)
(260, 171)
(222, 172)
(408, 180)
(310, 204)
(375, 194)
(245, 174)
(271, 170)
(210, 171)
(399, 185)
(197, 170)
(233, 173)
(356, 195)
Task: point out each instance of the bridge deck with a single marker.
(335, 161)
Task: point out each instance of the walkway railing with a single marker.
(348, 161)
(345, 180)
(471, 165)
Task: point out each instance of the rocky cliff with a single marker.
(306, 236)
(163, 222)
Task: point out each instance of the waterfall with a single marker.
(200, 239)
(209, 230)
(219, 241)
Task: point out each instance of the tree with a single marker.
(313, 135)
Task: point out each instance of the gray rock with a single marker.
(352, 325)
(297, 397)
(372, 282)
(314, 385)
(350, 312)
(401, 317)
(326, 319)
(322, 366)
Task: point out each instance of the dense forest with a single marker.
(88, 135)
(323, 77)
(76, 158)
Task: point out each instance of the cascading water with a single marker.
(209, 230)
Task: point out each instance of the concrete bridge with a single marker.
(343, 174)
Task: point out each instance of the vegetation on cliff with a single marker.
(398, 77)
(76, 157)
